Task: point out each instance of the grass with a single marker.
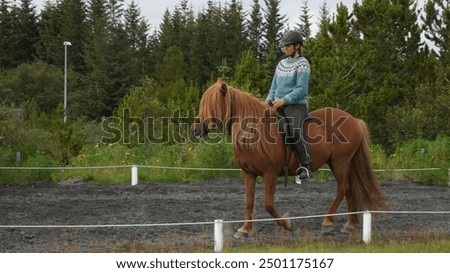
(437, 245)
(412, 241)
(418, 243)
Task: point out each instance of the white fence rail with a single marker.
(135, 169)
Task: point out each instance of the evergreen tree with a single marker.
(101, 50)
(166, 36)
(18, 33)
(208, 45)
(423, 114)
(305, 21)
(73, 28)
(234, 31)
(274, 23)
(184, 22)
(50, 46)
(175, 92)
(176, 29)
(63, 21)
(255, 29)
(437, 26)
(152, 46)
(27, 32)
(324, 19)
(334, 61)
(137, 30)
(218, 54)
(94, 100)
(172, 67)
(115, 12)
(7, 38)
(249, 75)
(269, 64)
(203, 63)
(391, 38)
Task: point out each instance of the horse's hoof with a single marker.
(326, 229)
(289, 225)
(292, 229)
(240, 235)
(347, 230)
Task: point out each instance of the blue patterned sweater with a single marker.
(290, 81)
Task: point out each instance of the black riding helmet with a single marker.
(291, 37)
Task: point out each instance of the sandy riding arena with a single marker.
(153, 203)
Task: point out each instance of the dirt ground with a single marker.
(152, 203)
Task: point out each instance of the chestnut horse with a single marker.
(334, 138)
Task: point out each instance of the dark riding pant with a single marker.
(294, 116)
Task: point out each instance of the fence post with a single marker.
(134, 175)
(367, 227)
(218, 235)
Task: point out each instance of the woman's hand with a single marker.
(277, 103)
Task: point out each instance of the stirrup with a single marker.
(298, 178)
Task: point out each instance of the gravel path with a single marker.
(89, 204)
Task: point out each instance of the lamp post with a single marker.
(65, 79)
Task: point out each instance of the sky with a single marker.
(153, 10)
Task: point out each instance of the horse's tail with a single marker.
(364, 187)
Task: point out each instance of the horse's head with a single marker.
(214, 109)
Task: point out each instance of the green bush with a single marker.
(380, 163)
(421, 153)
(111, 157)
(154, 159)
(29, 157)
(216, 156)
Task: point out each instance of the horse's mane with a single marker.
(245, 117)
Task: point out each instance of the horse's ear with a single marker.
(223, 89)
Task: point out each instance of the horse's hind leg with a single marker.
(249, 180)
(342, 186)
(270, 183)
(353, 219)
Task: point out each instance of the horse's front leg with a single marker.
(249, 180)
(270, 183)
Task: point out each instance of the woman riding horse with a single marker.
(336, 138)
(289, 96)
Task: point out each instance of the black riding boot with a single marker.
(304, 171)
